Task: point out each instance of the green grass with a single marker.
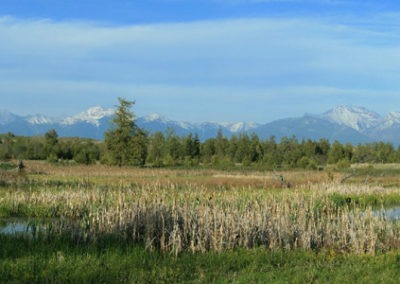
(7, 166)
(375, 200)
(25, 260)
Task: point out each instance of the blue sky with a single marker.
(192, 60)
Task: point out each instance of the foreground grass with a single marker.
(180, 226)
(39, 261)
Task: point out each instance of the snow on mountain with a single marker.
(358, 118)
(185, 125)
(155, 117)
(391, 119)
(344, 123)
(242, 127)
(91, 116)
(210, 124)
(40, 119)
(232, 127)
(162, 120)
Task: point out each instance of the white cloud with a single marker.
(266, 60)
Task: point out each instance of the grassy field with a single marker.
(160, 225)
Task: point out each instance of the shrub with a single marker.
(343, 164)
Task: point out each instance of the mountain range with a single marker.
(347, 124)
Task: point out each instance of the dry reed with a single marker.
(173, 217)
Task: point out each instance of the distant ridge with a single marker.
(347, 124)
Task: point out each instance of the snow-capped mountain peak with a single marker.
(342, 123)
(6, 117)
(155, 117)
(391, 119)
(242, 126)
(91, 115)
(40, 119)
(358, 118)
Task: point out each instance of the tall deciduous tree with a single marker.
(125, 141)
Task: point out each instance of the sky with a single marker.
(200, 60)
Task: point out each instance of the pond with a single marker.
(392, 214)
(29, 226)
(32, 226)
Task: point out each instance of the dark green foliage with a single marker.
(6, 146)
(156, 149)
(174, 153)
(51, 145)
(375, 153)
(52, 148)
(125, 142)
(86, 153)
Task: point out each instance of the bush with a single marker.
(307, 163)
(52, 158)
(343, 164)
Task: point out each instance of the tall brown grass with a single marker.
(175, 217)
(205, 223)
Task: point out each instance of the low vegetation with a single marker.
(61, 261)
(190, 220)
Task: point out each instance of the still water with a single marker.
(392, 214)
(33, 226)
(28, 226)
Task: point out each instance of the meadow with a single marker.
(110, 224)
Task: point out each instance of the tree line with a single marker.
(127, 144)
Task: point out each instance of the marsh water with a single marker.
(27, 226)
(392, 214)
(32, 226)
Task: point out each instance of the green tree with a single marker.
(125, 141)
(191, 149)
(86, 152)
(51, 143)
(221, 145)
(192, 146)
(208, 150)
(385, 152)
(322, 149)
(173, 148)
(272, 158)
(35, 148)
(256, 151)
(336, 153)
(289, 148)
(139, 148)
(156, 150)
(6, 146)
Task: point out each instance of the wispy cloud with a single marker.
(179, 68)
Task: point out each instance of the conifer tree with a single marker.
(125, 141)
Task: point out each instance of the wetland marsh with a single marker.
(188, 215)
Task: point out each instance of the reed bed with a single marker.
(289, 222)
(176, 217)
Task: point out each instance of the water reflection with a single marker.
(27, 226)
(34, 226)
(14, 228)
(392, 214)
